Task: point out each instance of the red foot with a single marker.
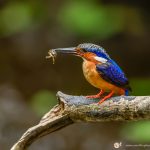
(97, 95)
(106, 97)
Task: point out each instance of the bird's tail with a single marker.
(126, 92)
(128, 89)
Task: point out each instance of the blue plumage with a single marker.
(127, 92)
(109, 71)
(98, 50)
(112, 73)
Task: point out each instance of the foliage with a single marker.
(137, 131)
(19, 16)
(43, 101)
(140, 86)
(89, 19)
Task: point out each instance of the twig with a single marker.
(77, 108)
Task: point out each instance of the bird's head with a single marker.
(87, 51)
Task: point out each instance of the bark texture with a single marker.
(72, 109)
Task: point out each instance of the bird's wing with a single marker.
(112, 73)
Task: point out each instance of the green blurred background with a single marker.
(29, 82)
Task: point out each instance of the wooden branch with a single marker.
(77, 108)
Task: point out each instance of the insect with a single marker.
(52, 54)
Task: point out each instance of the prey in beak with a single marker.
(53, 52)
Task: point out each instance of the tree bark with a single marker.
(72, 109)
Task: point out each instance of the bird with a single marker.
(99, 70)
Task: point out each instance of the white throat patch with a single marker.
(100, 59)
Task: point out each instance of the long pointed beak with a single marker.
(70, 50)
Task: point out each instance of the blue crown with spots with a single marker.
(98, 50)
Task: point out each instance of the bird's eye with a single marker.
(83, 50)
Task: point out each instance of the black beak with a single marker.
(70, 50)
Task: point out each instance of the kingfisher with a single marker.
(99, 70)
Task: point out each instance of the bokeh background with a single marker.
(29, 82)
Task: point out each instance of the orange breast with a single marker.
(94, 78)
